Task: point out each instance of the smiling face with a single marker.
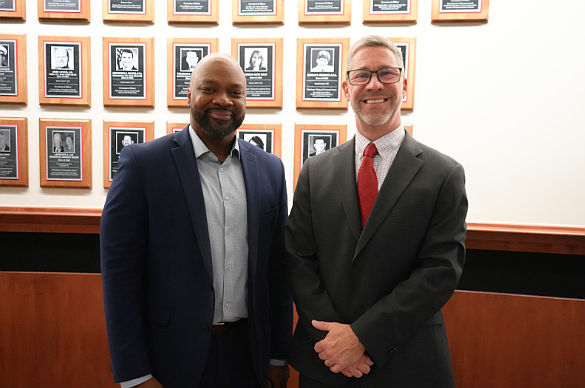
(61, 57)
(376, 105)
(126, 60)
(192, 59)
(217, 97)
(319, 145)
(57, 141)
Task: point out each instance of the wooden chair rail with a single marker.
(489, 236)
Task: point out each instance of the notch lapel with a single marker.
(401, 173)
(344, 173)
(186, 164)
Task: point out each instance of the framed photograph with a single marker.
(13, 151)
(324, 11)
(447, 11)
(313, 139)
(175, 127)
(117, 135)
(261, 61)
(320, 76)
(64, 74)
(257, 12)
(72, 10)
(264, 136)
(408, 48)
(193, 11)
(13, 9)
(128, 71)
(395, 11)
(140, 11)
(65, 153)
(13, 87)
(408, 129)
(182, 57)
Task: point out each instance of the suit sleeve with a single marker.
(281, 304)
(123, 246)
(311, 299)
(389, 322)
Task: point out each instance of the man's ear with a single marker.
(345, 88)
(189, 96)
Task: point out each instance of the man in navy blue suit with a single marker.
(192, 250)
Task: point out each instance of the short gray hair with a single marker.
(374, 41)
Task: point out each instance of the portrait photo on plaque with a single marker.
(267, 137)
(62, 69)
(13, 151)
(121, 137)
(185, 58)
(64, 158)
(8, 68)
(322, 75)
(127, 71)
(257, 61)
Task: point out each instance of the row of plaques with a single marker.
(128, 70)
(252, 11)
(65, 147)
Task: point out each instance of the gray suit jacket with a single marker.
(388, 281)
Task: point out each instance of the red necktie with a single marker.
(367, 182)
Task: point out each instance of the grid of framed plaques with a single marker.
(303, 73)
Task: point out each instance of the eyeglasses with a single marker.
(390, 75)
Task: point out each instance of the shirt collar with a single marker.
(201, 149)
(385, 144)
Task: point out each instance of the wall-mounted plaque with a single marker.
(71, 10)
(314, 139)
(390, 11)
(128, 71)
(446, 11)
(13, 69)
(13, 9)
(175, 127)
(13, 151)
(408, 48)
(140, 11)
(261, 61)
(264, 136)
(324, 11)
(182, 57)
(65, 153)
(408, 129)
(117, 135)
(64, 72)
(193, 11)
(321, 73)
(258, 12)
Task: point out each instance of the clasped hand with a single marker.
(341, 350)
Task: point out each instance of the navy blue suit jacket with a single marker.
(157, 269)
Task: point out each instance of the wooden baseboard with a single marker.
(489, 236)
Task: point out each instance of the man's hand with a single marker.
(341, 349)
(360, 368)
(277, 376)
(150, 383)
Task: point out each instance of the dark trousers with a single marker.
(307, 382)
(229, 362)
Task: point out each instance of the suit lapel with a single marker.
(344, 173)
(186, 164)
(403, 170)
(252, 184)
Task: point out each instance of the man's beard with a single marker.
(210, 125)
(378, 118)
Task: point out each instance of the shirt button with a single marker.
(227, 197)
(228, 304)
(221, 169)
(229, 267)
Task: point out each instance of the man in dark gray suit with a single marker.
(376, 243)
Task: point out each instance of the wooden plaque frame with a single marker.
(83, 15)
(212, 17)
(408, 129)
(409, 17)
(273, 130)
(84, 127)
(460, 16)
(18, 13)
(21, 143)
(21, 96)
(212, 45)
(84, 52)
(148, 71)
(409, 68)
(268, 18)
(325, 18)
(147, 127)
(300, 129)
(340, 103)
(276, 43)
(134, 17)
(175, 127)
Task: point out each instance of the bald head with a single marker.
(217, 63)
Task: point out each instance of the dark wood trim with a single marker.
(488, 236)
